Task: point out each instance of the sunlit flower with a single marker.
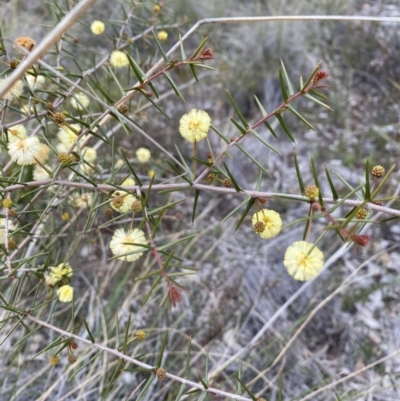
(143, 155)
(24, 151)
(67, 137)
(26, 42)
(35, 82)
(302, 264)
(162, 35)
(16, 132)
(125, 242)
(119, 59)
(123, 200)
(271, 220)
(194, 126)
(10, 227)
(65, 293)
(89, 155)
(39, 173)
(43, 153)
(119, 163)
(15, 91)
(97, 27)
(80, 101)
(82, 201)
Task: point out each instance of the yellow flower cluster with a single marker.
(124, 244)
(118, 59)
(271, 220)
(122, 201)
(194, 126)
(58, 273)
(97, 27)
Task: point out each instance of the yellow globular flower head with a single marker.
(25, 151)
(272, 223)
(65, 293)
(140, 335)
(156, 8)
(10, 227)
(123, 200)
(44, 151)
(68, 136)
(143, 155)
(162, 35)
(35, 82)
(97, 27)
(361, 214)
(302, 264)
(16, 132)
(54, 360)
(89, 155)
(83, 201)
(119, 59)
(80, 101)
(124, 242)
(14, 92)
(311, 191)
(65, 216)
(7, 203)
(194, 126)
(39, 173)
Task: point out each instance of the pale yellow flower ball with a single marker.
(35, 82)
(119, 59)
(162, 35)
(15, 91)
(25, 151)
(11, 227)
(89, 155)
(302, 264)
(39, 173)
(16, 132)
(194, 126)
(67, 136)
(143, 155)
(43, 153)
(272, 222)
(83, 201)
(122, 244)
(97, 27)
(65, 293)
(80, 101)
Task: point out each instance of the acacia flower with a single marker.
(35, 82)
(43, 152)
(194, 126)
(26, 42)
(16, 132)
(123, 200)
(82, 201)
(15, 91)
(67, 137)
(39, 173)
(89, 155)
(65, 293)
(11, 228)
(143, 155)
(271, 221)
(302, 264)
(123, 243)
(24, 151)
(162, 35)
(80, 101)
(97, 27)
(119, 59)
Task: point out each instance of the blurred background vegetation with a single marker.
(239, 279)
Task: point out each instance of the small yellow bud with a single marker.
(156, 8)
(378, 171)
(160, 373)
(162, 35)
(54, 360)
(136, 206)
(227, 183)
(259, 227)
(311, 191)
(65, 158)
(7, 203)
(361, 214)
(59, 118)
(140, 335)
(65, 216)
(12, 244)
